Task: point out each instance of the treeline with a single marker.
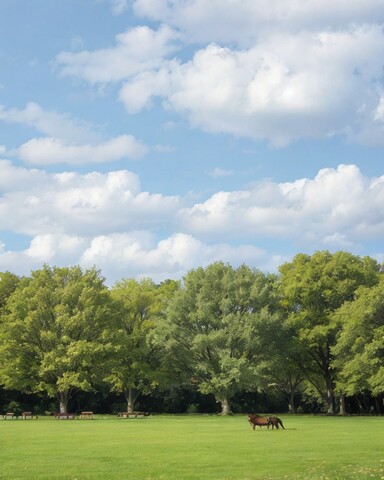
(310, 338)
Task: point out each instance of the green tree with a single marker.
(212, 330)
(134, 369)
(278, 368)
(313, 288)
(53, 337)
(8, 284)
(359, 352)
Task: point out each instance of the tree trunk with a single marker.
(342, 410)
(63, 399)
(291, 403)
(330, 398)
(225, 407)
(131, 397)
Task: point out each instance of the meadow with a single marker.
(192, 447)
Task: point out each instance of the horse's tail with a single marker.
(281, 423)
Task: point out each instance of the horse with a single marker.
(275, 422)
(257, 420)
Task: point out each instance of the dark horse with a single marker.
(275, 422)
(257, 420)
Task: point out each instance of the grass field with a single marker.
(192, 447)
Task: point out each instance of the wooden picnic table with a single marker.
(132, 414)
(86, 415)
(9, 415)
(28, 416)
(65, 416)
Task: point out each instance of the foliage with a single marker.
(212, 330)
(52, 339)
(8, 284)
(312, 336)
(360, 348)
(133, 369)
(313, 288)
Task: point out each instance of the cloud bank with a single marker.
(106, 220)
(275, 71)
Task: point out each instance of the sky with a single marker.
(152, 137)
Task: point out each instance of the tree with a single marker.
(278, 368)
(211, 333)
(53, 337)
(133, 369)
(313, 288)
(8, 284)
(359, 352)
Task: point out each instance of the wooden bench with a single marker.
(9, 416)
(28, 415)
(86, 415)
(65, 416)
(132, 415)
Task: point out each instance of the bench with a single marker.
(9, 416)
(28, 415)
(65, 416)
(86, 415)
(132, 414)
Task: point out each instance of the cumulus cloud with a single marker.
(119, 6)
(46, 151)
(69, 140)
(107, 221)
(138, 49)
(35, 203)
(51, 123)
(337, 206)
(269, 91)
(245, 22)
(168, 258)
(277, 71)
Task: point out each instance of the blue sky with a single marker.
(149, 137)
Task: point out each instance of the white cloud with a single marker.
(277, 71)
(105, 220)
(339, 205)
(135, 254)
(244, 22)
(51, 123)
(269, 91)
(36, 203)
(119, 6)
(220, 172)
(137, 50)
(48, 151)
(69, 141)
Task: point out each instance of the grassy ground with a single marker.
(192, 447)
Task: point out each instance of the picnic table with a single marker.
(65, 416)
(132, 414)
(86, 415)
(28, 416)
(9, 416)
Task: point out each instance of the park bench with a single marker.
(86, 415)
(28, 415)
(9, 416)
(132, 415)
(65, 416)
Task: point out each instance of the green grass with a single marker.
(192, 447)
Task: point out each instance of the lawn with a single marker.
(192, 447)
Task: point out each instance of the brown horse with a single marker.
(275, 422)
(257, 420)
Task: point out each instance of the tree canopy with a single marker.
(212, 329)
(312, 335)
(52, 337)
